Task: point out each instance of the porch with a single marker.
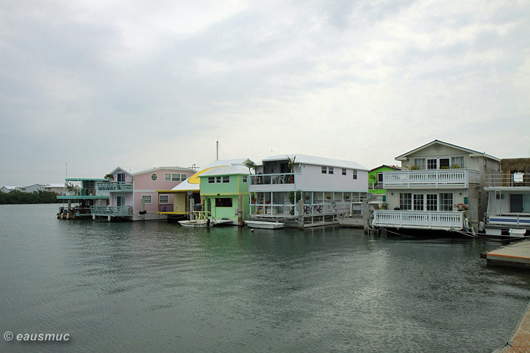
(431, 178)
(419, 219)
(112, 211)
(116, 186)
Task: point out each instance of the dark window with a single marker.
(343, 171)
(223, 202)
(324, 170)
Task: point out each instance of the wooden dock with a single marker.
(520, 340)
(515, 255)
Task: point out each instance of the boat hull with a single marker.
(264, 225)
(194, 224)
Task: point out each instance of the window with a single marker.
(343, 171)
(457, 162)
(446, 202)
(223, 202)
(163, 199)
(432, 202)
(405, 201)
(174, 177)
(245, 179)
(211, 180)
(418, 202)
(218, 180)
(354, 174)
(420, 163)
(330, 170)
(154, 176)
(444, 163)
(226, 179)
(379, 177)
(324, 170)
(432, 164)
(147, 199)
(120, 177)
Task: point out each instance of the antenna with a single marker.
(216, 150)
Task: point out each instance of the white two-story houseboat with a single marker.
(440, 186)
(305, 191)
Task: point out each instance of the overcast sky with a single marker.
(90, 85)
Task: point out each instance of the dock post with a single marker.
(300, 213)
(366, 216)
(240, 210)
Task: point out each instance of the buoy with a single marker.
(252, 230)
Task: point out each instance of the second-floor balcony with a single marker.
(123, 186)
(277, 181)
(419, 220)
(515, 180)
(431, 178)
(112, 211)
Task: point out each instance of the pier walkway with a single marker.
(515, 255)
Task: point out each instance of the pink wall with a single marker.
(145, 185)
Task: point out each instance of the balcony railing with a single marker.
(506, 180)
(513, 220)
(116, 186)
(419, 220)
(112, 211)
(269, 179)
(286, 210)
(436, 178)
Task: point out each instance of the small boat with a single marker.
(194, 223)
(264, 225)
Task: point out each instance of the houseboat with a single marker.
(80, 196)
(440, 187)
(508, 213)
(133, 196)
(305, 191)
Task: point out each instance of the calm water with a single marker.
(154, 286)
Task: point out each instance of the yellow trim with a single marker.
(194, 179)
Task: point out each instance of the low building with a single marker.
(225, 194)
(7, 189)
(55, 187)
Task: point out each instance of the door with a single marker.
(120, 201)
(516, 203)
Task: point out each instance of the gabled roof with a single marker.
(472, 153)
(54, 185)
(118, 168)
(387, 166)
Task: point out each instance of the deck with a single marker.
(515, 255)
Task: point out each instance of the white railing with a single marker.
(514, 219)
(421, 220)
(442, 177)
(113, 211)
(269, 179)
(116, 186)
(284, 210)
(503, 180)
